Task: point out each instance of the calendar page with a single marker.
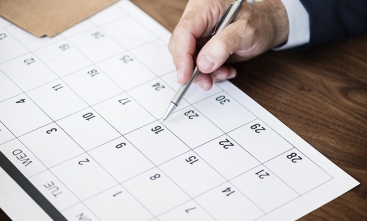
(82, 138)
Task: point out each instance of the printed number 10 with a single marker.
(88, 116)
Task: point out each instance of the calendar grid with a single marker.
(292, 200)
(90, 106)
(247, 156)
(46, 166)
(80, 201)
(281, 136)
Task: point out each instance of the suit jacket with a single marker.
(335, 19)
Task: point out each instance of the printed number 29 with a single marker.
(257, 128)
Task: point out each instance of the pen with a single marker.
(226, 19)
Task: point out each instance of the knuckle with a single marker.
(222, 42)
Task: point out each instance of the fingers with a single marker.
(237, 36)
(223, 73)
(205, 81)
(183, 44)
(192, 32)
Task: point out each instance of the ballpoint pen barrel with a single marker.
(228, 17)
(184, 88)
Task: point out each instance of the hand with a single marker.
(257, 28)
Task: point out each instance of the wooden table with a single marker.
(321, 94)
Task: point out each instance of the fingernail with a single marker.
(202, 85)
(179, 75)
(232, 75)
(206, 62)
(220, 77)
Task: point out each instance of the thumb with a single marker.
(218, 49)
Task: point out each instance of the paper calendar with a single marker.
(81, 136)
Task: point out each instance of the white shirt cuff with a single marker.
(299, 25)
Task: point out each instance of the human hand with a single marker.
(257, 28)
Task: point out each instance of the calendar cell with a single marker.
(159, 144)
(51, 145)
(57, 100)
(62, 58)
(227, 157)
(193, 171)
(121, 159)
(88, 129)
(79, 212)
(20, 115)
(227, 203)
(156, 191)
(124, 113)
(130, 33)
(154, 96)
(298, 171)
(260, 140)
(76, 175)
(264, 188)
(189, 211)
(195, 93)
(78, 28)
(92, 85)
(187, 124)
(19, 70)
(9, 46)
(30, 41)
(5, 134)
(126, 71)
(229, 113)
(96, 45)
(22, 158)
(7, 87)
(156, 57)
(117, 202)
(53, 190)
(4, 23)
(107, 15)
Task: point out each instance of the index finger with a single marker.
(196, 22)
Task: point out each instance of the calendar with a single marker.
(82, 137)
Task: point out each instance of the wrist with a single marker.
(278, 19)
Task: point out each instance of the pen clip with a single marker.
(221, 19)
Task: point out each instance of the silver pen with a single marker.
(226, 19)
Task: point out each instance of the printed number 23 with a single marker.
(191, 114)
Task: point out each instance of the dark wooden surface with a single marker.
(321, 94)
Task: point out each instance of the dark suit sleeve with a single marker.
(334, 19)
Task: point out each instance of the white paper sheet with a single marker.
(80, 119)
